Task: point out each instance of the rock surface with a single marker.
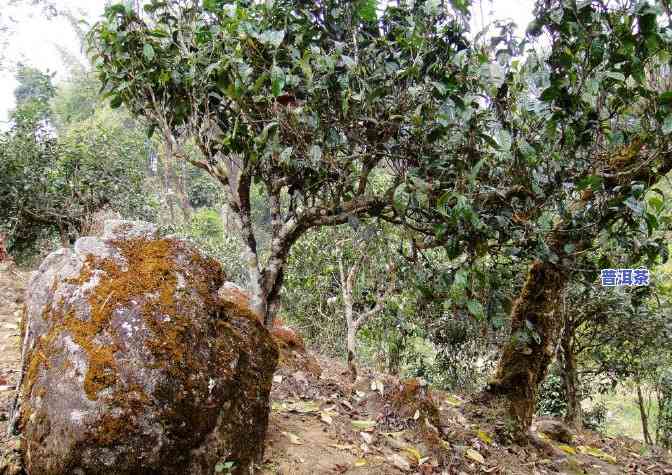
(133, 365)
(555, 430)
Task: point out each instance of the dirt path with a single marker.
(12, 287)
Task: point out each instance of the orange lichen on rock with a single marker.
(148, 270)
(37, 358)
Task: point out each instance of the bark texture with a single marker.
(534, 332)
(643, 415)
(570, 377)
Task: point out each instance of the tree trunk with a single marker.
(535, 328)
(167, 192)
(574, 416)
(395, 353)
(643, 415)
(351, 347)
(570, 377)
(181, 187)
(63, 235)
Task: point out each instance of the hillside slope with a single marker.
(321, 423)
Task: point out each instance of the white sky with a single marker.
(34, 38)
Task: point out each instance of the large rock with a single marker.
(135, 366)
(555, 430)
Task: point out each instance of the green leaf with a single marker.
(592, 181)
(267, 130)
(489, 140)
(667, 124)
(615, 75)
(210, 5)
(366, 10)
(116, 102)
(277, 81)
(666, 98)
(635, 205)
(117, 8)
(549, 94)
(150, 130)
(315, 153)
(461, 278)
(476, 309)
(461, 5)
(286, 154)
(656, 203)
(148, 51)
(347, 61)
(272, 37)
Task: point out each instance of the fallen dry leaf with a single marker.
(377, 386)
(474, 455)
(400, 462)
(304, 407)
(346, 404)
(293, 438)
(368, 438)
(414, 454)
(584, 449)
(326, 418)
(567, 449)
(484, 436)
(453, 400)
(342, 447)
(363, 425)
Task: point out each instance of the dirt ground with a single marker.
(321, 423)
(12, 286)
(361, 436)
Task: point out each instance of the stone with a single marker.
(122, 229)
(135, 366)
(555, 430)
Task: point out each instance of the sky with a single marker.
(35, 39)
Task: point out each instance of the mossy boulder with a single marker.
(133, 365)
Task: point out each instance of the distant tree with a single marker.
(32, 95)
(53, 184)
(367, 277)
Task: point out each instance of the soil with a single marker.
(322, 424)
(12, 287)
